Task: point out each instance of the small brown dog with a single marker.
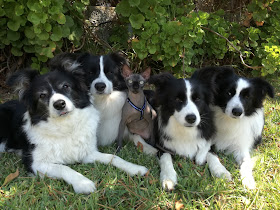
(137, 113)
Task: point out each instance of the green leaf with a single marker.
(134, 3)
(48, 27)
(136, 20)
(56, 33)
(13, 25)
(166, 2)
(160, 10)
(33, 18)
(13, 35)
(65, 31)
(123, 8)
(142, 55)
(69, 21)
(144, 6)
(43, 36)
(16, 52)
(152, 49)
(46, 3)
(2, 12)
(47, 52)
(37, 29)
(19, 10)
(177, 38)
(42, 58)
(60, 18)
(34, 6)
(54, 10)
(29, 48)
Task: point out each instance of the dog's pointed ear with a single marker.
(160, 80)
(21, 80)
(146, 74)
(263, 87)
(223, 72)
(126, 71)
(118, 58)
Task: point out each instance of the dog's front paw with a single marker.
(149, 150)
(225, 174)
(84, 186)
(249, 182)
(168, 185)
(137, 170)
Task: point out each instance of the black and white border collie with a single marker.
(55, 124)
(184, 125)
(238, 114)
(107, 90)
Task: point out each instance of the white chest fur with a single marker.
(186, 141)
(237, 134)
(110, 108)
(65, 139)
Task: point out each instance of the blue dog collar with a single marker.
(137, 108)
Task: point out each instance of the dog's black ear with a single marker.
(263, 87)
(118, 58)
(223, 72)
(21, 80)
(69, 62)
(160, 80)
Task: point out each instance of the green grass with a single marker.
(196, 188)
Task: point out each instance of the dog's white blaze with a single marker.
(55, 97)
(102, 78)
(235, 101)
(189, 108)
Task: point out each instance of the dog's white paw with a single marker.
(225, 174)
(249, 182)
(168, 185)
(84, 186)
(141, 170)
(149, 150)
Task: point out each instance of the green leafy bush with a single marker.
(40, 28)
(174, 33)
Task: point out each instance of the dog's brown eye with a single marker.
(178, 100)
(130, 81)
(246, 96)
(65, 86)
(195, 98)
(141, 82)
(43, 95)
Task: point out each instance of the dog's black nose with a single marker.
(237, 112)
(191, 118)
(59, 104)
(100, 86)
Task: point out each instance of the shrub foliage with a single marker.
(180, 36)
(39, 28)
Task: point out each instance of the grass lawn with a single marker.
(116, 190)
